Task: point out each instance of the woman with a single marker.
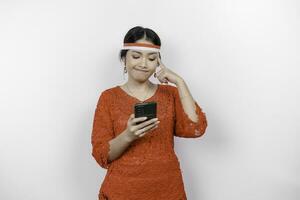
(140, 158)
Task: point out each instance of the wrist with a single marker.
(126, 137)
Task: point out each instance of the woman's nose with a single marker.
(143, 62)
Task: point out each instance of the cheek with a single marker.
(153, 69)
(153, 64)
(132, 61)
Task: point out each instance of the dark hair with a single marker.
(136, 33)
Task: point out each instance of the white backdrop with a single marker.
(239, 58)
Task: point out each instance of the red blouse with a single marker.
(148, 169)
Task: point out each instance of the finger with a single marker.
(162, 77)
(164, 80)
(161, 80)
(138, 119)
(156, 73)
(146, 123)
(158, 70)
(160, 73)
(147, 129)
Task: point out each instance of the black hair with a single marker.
(136, 33)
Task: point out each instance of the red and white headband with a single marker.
(141, 46)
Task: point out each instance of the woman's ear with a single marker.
(123, 61)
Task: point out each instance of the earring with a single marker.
(125, 70)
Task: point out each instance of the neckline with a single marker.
(136, 99)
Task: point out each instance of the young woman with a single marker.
(140, 159)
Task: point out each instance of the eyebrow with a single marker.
(141, 53)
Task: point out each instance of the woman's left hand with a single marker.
(165, 75)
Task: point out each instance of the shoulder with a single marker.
(169, 89)
(105, 96)
(106, 93)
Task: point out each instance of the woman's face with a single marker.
(141, 64)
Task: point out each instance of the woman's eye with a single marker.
(136, 57)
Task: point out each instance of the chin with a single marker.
(140, 79)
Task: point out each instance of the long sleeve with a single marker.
(184, 126)
(102, 131)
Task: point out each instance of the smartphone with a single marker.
(145, 109)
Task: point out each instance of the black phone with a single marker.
(145, 109)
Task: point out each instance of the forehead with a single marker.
(146, 52)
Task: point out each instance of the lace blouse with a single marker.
(149, 168)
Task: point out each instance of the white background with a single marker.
(239, 58)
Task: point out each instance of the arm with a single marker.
(118, 145)
(105, 146)
(102, 131)
(187, 100)
(190, 121)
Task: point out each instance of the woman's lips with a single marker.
(141, 70)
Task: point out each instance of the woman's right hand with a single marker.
(135, 131)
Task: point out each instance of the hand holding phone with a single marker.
(136, 130)
(146, 109)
